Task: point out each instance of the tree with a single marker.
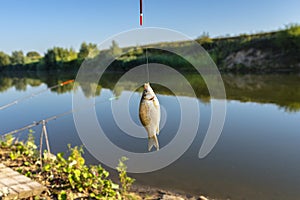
(61, 54)
(83, 51)
(58, 54)
(4, 59)
(49, 58)
(64, 55)
(115, 49)
(204, 38)
(17, 58)
(289, 39)
(72, 55)
(294, 35)
(32, 56)
(88, 51)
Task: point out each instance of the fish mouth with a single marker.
(146, 85)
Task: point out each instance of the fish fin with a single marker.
(153, 141)
(157, 130)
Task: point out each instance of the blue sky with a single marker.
(41, 24)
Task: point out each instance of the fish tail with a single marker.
(153, 141)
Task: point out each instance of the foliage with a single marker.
(83, 51)
(75, 176)
(63, 54)
(132, 54)
(7, 142)
(50, 58)
(20, 150)
(293, 30)
(204, 38)
(32, 56)
(17, 58)
(125, 180)
(4, 59)
(289, 39)
(56, 57)
(88, 51)
(280, 47)
(65, 177)
(115, 50)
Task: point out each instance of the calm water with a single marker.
(256, 157)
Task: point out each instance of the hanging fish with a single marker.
(149, 113)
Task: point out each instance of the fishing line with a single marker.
(147, 67)
(34, 94)
(141, 24)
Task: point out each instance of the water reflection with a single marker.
(280, 89)
(256, 157)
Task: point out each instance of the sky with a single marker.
(42, 24)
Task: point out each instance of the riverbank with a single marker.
(82, 181)
(267, 52)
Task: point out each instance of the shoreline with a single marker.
(159, 193)
(26, 165)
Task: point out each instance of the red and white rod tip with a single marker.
(141, 12)
(141, 19)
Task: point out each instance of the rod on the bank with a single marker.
(33, 124)
(34, 94)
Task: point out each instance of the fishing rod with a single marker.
(35, 94)
(29, 126)
(141, 12)
(44, 121)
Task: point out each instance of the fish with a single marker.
(149, 114)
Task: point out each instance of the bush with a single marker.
(65, 178)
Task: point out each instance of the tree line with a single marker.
(54, 58)
(282, 45)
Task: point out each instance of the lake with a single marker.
(256, 156)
